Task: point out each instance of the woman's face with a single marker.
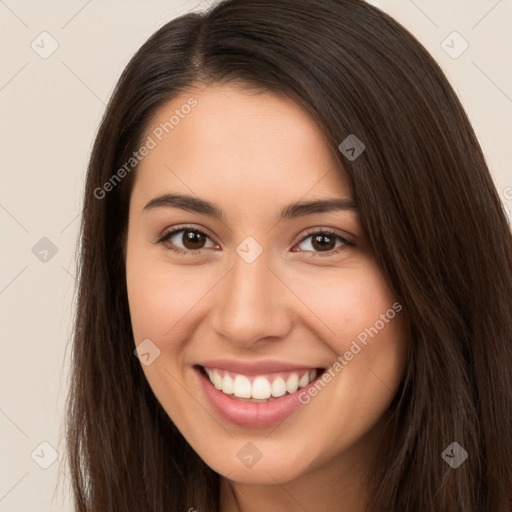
(260, 291)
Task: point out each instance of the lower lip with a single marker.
(248, 414)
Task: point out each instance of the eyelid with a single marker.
(190, 227)
(332, 231)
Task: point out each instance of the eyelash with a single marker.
(186, 252)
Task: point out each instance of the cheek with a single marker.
(357, 315)
(347, 300)
(159, 301)
(162, 299)
(153, 309)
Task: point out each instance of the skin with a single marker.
(253, 154)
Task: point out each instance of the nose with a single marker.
(253, 305)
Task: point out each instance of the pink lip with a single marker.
(253, 368)
(248, 414)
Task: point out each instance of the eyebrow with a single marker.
(292, 211)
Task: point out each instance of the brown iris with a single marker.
(323, 242)
(193, 240)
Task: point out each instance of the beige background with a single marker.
(50, 110)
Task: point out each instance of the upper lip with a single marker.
(254, 367)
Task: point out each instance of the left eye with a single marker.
(323, 242)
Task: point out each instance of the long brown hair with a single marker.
(428, 207)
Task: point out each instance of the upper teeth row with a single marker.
(261, 388)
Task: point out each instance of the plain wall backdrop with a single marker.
(60, 61)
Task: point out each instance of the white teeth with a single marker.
(217, 380)
(304, 380)
(261, 388)
(227, 384)
(278, 387)
(242, 387)
(292, 383)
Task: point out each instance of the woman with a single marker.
(295, 276)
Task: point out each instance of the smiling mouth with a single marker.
(260, 388)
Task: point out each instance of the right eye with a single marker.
(192, 240)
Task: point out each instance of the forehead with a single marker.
(229, 143)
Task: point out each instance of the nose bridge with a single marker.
(251, 305)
